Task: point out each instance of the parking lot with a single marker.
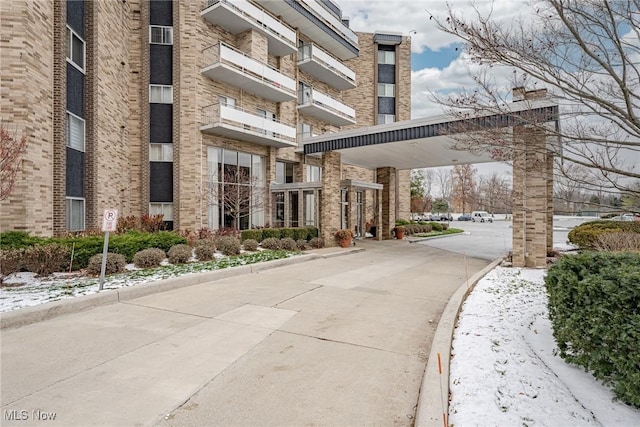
(489, 241)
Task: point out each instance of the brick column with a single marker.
(330, 204)
(532, 198)
(387, 177)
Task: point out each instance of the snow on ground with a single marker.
(503, 369)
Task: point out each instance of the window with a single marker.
(75, 214)
(386, 118)
(165, 209)
(386, 57)
(160, 35)
(161, 152)
(237, 190)
(314, 173)
(305, 131)
(284, 172)
(386, 89)
(75, 50)
(160, 94)
(225, 100)
(305, 94)
(75, 132)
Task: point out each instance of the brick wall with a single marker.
(27, 93)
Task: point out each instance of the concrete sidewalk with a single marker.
(335, 341)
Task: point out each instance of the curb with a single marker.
(41, 312)
(431, 404)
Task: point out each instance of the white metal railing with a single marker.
(258, 17)
(312, 96)
(225, 54)
(308, 51)
(334, 22)
(216, 114)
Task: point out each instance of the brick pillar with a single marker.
(330, 204)
(387, 177)
(533, 198)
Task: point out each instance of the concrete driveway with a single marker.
(336, 341)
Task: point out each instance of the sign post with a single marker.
(109, 223)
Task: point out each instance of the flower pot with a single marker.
(400, 234)
(344, 243)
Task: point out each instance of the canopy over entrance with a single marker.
(425, 143)
(418, 143)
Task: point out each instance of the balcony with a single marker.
(326, 68)
(227, 64)
(235, 123)
(317, 104)
(318, 24)
(238, 16)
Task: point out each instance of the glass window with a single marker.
(386, 89)
(386, 118)
(164, 209)
(386, 57)
(236, 189)
(160, 35)
(161, 152)
(75, 132)
(75, 49)
(160, 94)
(304, 93)
(226, 100)
(75, 214)
(314, 173)
(284, 172)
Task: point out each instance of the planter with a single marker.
(344, 243)
(400, 234)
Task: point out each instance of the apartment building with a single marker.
(196, 110)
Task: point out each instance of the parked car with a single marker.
(465, 217)
(481, 216)
(445, 217)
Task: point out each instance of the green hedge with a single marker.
(18, 240)
(586, 235)
(594, 306)
(295, 233)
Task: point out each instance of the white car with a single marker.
(481, 216)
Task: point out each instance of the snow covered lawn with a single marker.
(503, 370)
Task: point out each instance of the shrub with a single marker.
(302, 244)
(206, 233)
(586, 235)
(288, 244)
(300, 233)
(270, 233)
(594, 306)
(445, 226)
(11, 261)
(250, 245)
(128, 223)
(228, 245)
(402, 222)
(316, 242)
(18, 239)
(47, 258)
(312, 232)
(152, 223)
(618, 241)
(179, 254)
(287, 233)
(115, 264)
(271, 243)
(147, 258)
(436, 226)
(253, 234)
(427, 228)
(205, 249)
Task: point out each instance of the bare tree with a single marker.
(237, 195)
(587, 53)
(443, 180)
(463, 191)
(12, 148)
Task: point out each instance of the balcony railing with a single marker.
(334, 22)
(225, 63)
(324, 107)
(240, 15)
(236, 123)
(325, 67)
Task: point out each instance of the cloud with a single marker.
(413, 15)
